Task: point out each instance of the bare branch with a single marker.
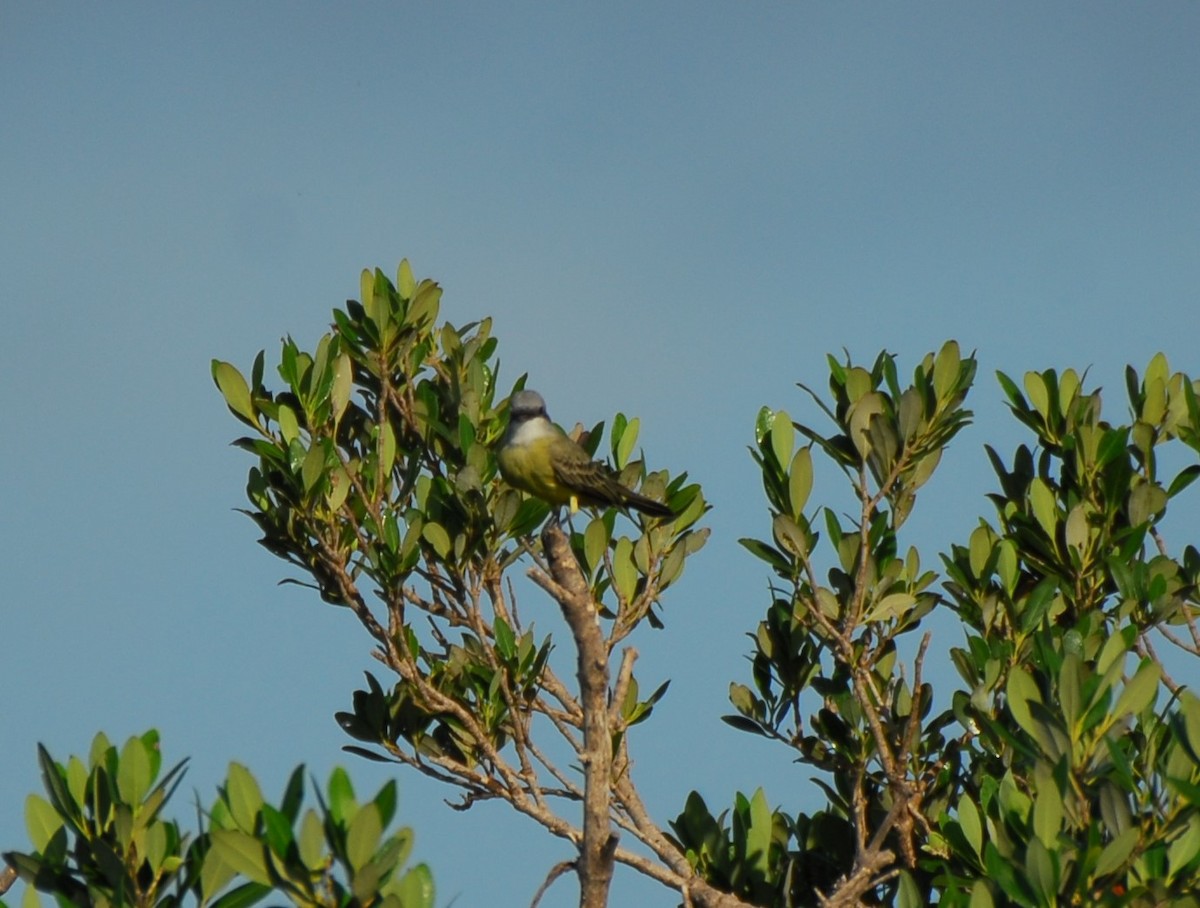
(555, 872)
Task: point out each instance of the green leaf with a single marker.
(41, 821)
(313, 467)
(858, 383)
(981, 896)
(1039, 870)
(1021, 691)
(77, 777)
(762, 425)
(1041, 502)
(506, 643)
(215, 873)
(625, 445)
(909, 893)
(311, 843)
(133, 775)
(1077, 528)
(1114, 648)
(1189, 709)
(789, 536)
(624, 570)
(945, 370)
(415, 890)
(276, 830)
(758, 835)
(800, 481)
(862, 412)
(911, 414)
(29, 899)
(341, 796)
(980, 550)
(1139, 691)
(235, 390)
(339, 488)
(1185, 848)
(783, 436)
(435, 534)
(1034, 608)
(891, 607)
(595, 542)
(376, 299)
(1116, 852)
(385, 799)
(343, 382)
(1112, 445)
(363, 835)
(1039, 395)
(387, 447)
(1145, 501)
(1048, 815)
(243, 853)
(244, 798)
(1183, 479)
(766, 553)
(405, 282)
(156, 845)
(243, 896)
(424, 308)
(1012, 392)
(289, 426)
(1007, 565)
(1001, 870)
(969, 822)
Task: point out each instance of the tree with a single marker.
(1060, 773)
(1064, 768)
(100, 839)
(1055, 772)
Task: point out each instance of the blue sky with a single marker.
(673, 209)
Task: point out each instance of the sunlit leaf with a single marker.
(234, 389)
(339, 394)
(133, 776)
(363, 835)
(244, 797)
(783, 436)
(41, 821)
(242, 852)
(800, 481)
(1139, 690)
(969, 822)
(1116, 852)
(945, 369)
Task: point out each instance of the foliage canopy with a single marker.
(1063, 767)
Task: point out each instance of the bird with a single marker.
(537, 457)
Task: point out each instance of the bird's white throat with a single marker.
(530, 431)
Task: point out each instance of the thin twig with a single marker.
(555, 872)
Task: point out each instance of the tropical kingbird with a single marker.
(536, 456)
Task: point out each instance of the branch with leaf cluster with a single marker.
(375, 477)
(100, 838)
(1060, 774)
(838, 639)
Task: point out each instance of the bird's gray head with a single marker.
(526, 405)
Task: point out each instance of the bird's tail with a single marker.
(647, 506)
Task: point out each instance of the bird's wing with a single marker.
(596, 484)
(589, 478)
